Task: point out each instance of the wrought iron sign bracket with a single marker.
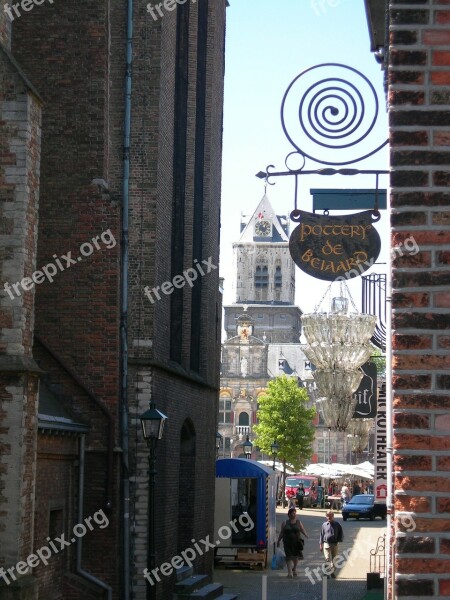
(330, 114)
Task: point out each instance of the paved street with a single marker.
(359, 536)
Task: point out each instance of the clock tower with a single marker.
(263, 265)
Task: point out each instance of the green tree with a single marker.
(380, 361)
(284, 417)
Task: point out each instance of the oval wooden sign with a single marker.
(334, 247)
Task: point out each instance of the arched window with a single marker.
(244, 419)
(278, 278)
(261, 277)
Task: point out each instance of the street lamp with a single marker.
(248, 447)
(274, 448)
(218, 443)
(152, 422)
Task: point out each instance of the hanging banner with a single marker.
(366, 394)
(380, 456)
(332, 247)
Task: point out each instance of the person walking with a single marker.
(291, 531)
(331, 534)
(300, 494)
(345, 493)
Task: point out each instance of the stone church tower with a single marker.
(264, 268)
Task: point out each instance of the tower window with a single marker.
(278, 277)
(262, 277)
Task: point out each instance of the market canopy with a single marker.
(337, 470)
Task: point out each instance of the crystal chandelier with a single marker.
(336, 411)
(338, 344)
(359, 430)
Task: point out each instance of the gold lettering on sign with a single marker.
(335, 267)
(359, 231)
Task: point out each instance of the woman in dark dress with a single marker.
(290, 533)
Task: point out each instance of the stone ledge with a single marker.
(18, 364)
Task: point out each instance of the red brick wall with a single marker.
(419, 106)
(56, 487)
(65, 52)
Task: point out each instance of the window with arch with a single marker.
(244, 419)
(261, 277)
(278, 277)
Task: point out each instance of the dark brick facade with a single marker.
(74, 55)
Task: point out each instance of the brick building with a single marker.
(110, 160)
(415, 50)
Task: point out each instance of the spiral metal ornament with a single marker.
(332, 114)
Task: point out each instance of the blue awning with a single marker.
(241, 467)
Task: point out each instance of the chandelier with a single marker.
(359, 430)
(338, 343)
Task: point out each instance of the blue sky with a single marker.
(268, 44)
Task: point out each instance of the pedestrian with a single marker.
(356, 489)
(345, 493)
(291, 531)
(331, 534)
(300, 495)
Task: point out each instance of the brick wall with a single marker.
(188, 399)
(419, 107)
(75, 56)
(64, 50)
(56, 483)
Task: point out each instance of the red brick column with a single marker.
(419, 106)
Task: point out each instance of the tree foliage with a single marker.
(284, 417)
(380, 361)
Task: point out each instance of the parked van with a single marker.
(310, 483)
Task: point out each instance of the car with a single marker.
(363, 506)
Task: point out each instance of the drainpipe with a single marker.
(390, 550)
(79, 548)
(124, 306)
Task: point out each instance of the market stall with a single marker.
(245, 504)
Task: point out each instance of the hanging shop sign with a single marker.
(366, 394)
(333, 247)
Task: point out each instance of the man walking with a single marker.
(331, 534)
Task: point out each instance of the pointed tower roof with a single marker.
(263, 211)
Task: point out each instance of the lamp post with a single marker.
(152, 422)
(218, 443)
(248, 447)
(274, 448)
(329, 445)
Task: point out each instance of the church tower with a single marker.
(264, 268)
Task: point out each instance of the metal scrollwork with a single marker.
(331, 114)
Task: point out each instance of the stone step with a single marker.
(184, 572)
(208, 592)
(190, 584)
(227, 597)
